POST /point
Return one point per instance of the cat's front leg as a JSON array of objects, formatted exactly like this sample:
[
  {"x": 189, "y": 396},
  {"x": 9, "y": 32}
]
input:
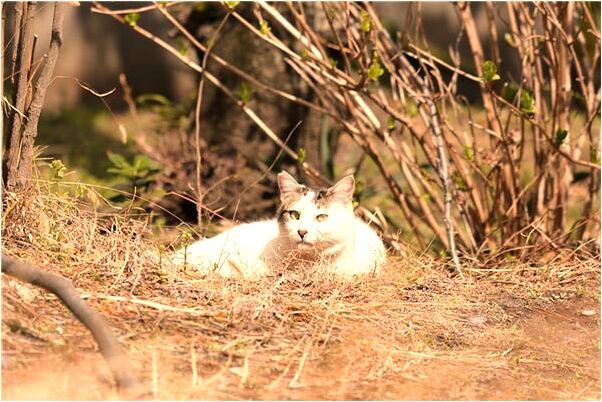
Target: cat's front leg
[
  {"x": 243, "y": 268},
  {"x": 350, "y": 265}
]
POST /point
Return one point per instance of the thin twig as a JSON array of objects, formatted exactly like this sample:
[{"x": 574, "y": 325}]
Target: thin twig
[
  {"x": 149, "y": 303},
  {"x": 197, "y": 122},
  {"x": 106, "y": 11}
]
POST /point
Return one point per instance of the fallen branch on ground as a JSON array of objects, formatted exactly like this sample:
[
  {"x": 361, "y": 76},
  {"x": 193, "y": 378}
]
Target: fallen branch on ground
[{"x": 118, "y": 362}]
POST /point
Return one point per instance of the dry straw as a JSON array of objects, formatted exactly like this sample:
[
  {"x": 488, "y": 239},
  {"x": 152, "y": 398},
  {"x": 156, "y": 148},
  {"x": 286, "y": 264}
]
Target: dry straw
[{"x": 284, "y": 335}]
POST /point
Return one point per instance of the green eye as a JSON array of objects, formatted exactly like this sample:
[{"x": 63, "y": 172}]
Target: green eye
[
  {"x": 294, "y": 215},
  {"x": 321, "y": 217}
]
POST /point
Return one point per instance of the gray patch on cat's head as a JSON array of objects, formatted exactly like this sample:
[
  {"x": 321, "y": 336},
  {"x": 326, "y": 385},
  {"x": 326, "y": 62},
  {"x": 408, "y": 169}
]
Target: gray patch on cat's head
[
  {"x": 291, "y": 191},
  {"x": 292, "y": 196},
  {"x": 289, "y": 198},
  {"x": 322, "y": 197},
  {"x": 281, "y": 214}
]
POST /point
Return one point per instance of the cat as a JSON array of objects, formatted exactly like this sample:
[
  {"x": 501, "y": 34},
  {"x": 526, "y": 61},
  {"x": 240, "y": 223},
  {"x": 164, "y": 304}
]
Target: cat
[{"x": 313, "y": 227}]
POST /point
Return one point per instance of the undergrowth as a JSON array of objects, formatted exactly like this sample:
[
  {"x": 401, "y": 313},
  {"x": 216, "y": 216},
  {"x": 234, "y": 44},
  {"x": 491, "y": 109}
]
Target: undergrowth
[{"x": 271, "y": 338}]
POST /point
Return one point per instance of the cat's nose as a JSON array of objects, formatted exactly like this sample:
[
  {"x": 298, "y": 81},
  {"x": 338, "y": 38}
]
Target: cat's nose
[{"x": 302, "y": 233}]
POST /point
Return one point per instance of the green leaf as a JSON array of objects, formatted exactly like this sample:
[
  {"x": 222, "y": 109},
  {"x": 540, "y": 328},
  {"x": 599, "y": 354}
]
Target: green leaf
[
  {"x": 509, "y": 92},
  {"x": 360, "y": 189},
  {"x": 141, "y": 171},
  {"x": 411, "y": 108},
  {"x": 489, "y": 72},
  {"x": 560, "y": 137},
  {"x": 527, "y": 103},
  {"x": 264, "y": 27},
  {"x": 186, "y": 238},
  {"x": 366, "y": 24},
  {"x": 375, "y": 70},
  {"x": 390, "y": 122},
  {"x": 333, "y": 63},
  {"x": 331, "y": 12},
  {"x": 158, "y": 98},
  {"x": 80, "y": 191},
  {"x": 508, "y": 39},
  {"x": 114, "y": 170},
  {"x": 142, "y": 162},
  {"x": 245, "y": 92},
  {"x": 469, "y": 153},
  {"x": 117, "y": 160},
  {"x": 301, "y": 155},
  {"x": 595, "y": 156},
  {"x": 459, "y": 181},
  {"x": 132, "y": 19},
  {"x": 304, "y": 53},
  {"x": 182, "y": 46},
  {"x": 232, "y": 4},
  {"x": 126, "y": 172},
  {"x": 58, "y": 168}
]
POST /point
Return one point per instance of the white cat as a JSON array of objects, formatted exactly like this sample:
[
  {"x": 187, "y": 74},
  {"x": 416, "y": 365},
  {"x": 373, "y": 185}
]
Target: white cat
[{"x": 315, "y": 227}]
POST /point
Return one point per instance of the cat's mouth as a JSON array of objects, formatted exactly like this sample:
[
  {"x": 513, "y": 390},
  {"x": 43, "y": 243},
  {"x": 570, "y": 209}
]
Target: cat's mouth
[{"x": 304, "y": 244}]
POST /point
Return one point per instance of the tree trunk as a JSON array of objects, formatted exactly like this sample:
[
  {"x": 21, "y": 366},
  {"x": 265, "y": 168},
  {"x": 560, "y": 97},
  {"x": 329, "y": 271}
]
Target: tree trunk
[
  {"x": 22, "y": 49},
  {"x": 21, "y": 144}
]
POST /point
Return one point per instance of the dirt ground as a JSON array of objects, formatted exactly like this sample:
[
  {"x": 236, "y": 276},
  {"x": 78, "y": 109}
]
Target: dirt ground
[{"x": 416, "y": 335}]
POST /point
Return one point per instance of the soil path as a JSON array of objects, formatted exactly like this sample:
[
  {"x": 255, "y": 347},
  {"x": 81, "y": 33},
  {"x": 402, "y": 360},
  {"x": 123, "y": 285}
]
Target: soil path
[{"x": 555, "y": 354}]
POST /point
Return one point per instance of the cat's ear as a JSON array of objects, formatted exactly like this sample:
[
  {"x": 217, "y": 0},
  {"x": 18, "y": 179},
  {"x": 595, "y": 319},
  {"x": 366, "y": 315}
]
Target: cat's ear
[
  {"x": 287, "y": 184},
  {"x": 342, "y": 191}
]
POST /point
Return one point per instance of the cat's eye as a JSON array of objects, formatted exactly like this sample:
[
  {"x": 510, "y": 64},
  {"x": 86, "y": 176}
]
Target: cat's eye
[
  {"x": 294, "y": 215},
  {"x": 321, "y": 217}
]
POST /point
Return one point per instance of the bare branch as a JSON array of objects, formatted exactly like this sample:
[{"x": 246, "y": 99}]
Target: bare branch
[{"x": 110, "y": 349}]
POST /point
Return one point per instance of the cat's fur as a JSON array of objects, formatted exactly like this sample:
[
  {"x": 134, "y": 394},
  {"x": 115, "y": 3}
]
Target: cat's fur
[{"x": 339, "y": 243}]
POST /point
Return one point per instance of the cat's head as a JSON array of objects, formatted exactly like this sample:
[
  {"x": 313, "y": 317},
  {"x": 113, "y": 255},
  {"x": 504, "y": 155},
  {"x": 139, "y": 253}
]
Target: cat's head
[{"x": 313, "y": 218}]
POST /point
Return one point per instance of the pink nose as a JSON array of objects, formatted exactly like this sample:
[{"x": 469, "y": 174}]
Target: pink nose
[{"x": 302, "y": 233}]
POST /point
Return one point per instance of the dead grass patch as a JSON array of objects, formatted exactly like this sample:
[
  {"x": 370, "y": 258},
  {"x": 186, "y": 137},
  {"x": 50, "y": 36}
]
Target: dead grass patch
[{"x": 415, "y": 332}]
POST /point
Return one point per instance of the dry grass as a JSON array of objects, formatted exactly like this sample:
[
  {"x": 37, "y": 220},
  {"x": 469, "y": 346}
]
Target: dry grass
[{"x": 415, "y": 332}]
